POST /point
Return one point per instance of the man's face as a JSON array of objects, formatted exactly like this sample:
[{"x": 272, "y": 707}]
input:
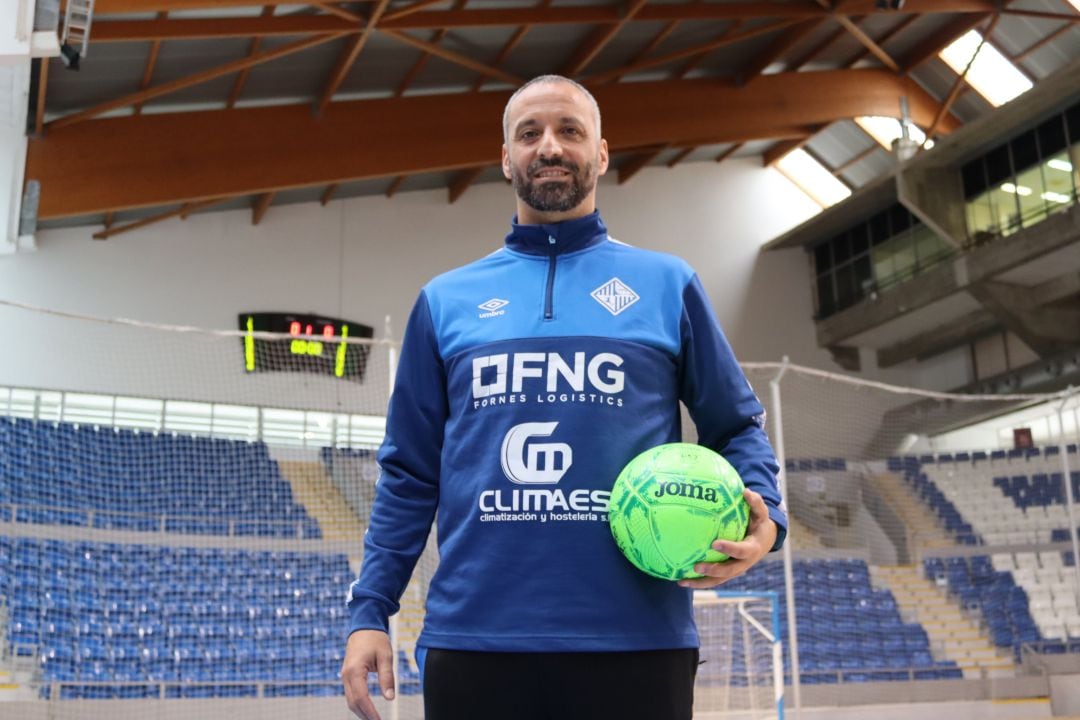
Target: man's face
[{"x": 553, "y": 153}]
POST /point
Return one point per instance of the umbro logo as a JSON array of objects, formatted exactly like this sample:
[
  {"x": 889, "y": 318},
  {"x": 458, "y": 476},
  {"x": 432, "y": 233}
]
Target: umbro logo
[
  {"x": 615, "y": 296},
  {"x": 493, "y": 307}
]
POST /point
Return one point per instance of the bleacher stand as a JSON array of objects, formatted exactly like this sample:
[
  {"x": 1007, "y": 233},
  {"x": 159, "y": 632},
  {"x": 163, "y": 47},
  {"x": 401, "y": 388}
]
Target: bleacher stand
[
  {"x": 1005, "y": 498},
  {"x": 120, "y": 479},
  {"x": 849, "y": 631}
]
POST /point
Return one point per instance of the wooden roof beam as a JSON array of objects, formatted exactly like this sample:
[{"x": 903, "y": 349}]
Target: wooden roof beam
[
  {"x": 507, "y": 48},
  {"x": 456, "y": 58},
  {"x": 421, "y": 61},
  {"x": 238, "y": 151},
  {"x": 410, "y": 17},
  {"x": 261, "y": 205},
  {"x": 933, "y": 44},
  {"x": 681, "y": 155},
  {"x": 728, "y": 152},
  {"x": 182, "y": 212},
  {"x": 724, "y": 39},
  {"x": 461, "y": 182},
  {"x": 599, "y": 39},
  {"x": 874, "y": 147},
  {"x": 634, "y": 164},
  {"x": 151, "y": 63},
  {"x": 696, "y": 60},
  {"x": 107, "y": 30},
  {"x": 896, "y": 30},
  {"x": 189, "y": 81},
  {"x": 253, "y": 50},
  {"x": 961, "y": 80},
  {"x": 781, "y": 45},
  {"x": 347, "y": 58},
  {"x": 772, "y": 155},
  {"x": 868, "y": 42},
  {"x": 394, "y": 186}
]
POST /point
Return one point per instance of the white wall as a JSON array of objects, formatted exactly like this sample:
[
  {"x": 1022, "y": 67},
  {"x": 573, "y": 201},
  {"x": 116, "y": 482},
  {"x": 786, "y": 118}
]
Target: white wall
[{"x": 366, "y": 258}]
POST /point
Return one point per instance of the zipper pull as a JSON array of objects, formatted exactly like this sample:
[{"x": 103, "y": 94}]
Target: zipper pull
[{"x": 551, "y": 239}]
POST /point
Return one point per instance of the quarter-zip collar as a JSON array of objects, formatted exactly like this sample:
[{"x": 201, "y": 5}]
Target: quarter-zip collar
[{"x": 557, "y": 238}]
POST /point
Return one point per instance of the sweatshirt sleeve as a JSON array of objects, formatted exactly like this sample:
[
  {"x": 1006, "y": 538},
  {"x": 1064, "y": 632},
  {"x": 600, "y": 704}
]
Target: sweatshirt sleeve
[
  {"x": 407, "y": 492},
  {"x": 728, "y": 415}
]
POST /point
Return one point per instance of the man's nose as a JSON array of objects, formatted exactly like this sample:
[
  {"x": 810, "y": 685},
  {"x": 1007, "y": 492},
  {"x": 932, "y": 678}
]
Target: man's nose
[{"x": 549, "y": 145}]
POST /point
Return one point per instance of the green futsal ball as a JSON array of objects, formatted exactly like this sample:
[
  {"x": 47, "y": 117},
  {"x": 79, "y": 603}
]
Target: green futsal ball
[{"x": 670, "y": 503}]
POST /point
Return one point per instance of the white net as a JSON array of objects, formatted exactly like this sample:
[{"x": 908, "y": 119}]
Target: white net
[
  {"x": 740, "y": 675},
  {"x": 911, "y": 513},
  {"x": 173, "y": 526}
]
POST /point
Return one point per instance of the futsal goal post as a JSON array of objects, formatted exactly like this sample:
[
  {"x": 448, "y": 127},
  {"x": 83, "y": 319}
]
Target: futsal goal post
[{"x": 741, "y": 670}]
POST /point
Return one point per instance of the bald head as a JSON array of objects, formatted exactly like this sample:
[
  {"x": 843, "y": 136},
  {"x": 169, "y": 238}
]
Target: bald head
[{"x": 541, "y": 79}]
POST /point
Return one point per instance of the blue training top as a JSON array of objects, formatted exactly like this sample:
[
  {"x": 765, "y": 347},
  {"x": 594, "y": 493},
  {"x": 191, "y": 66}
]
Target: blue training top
[{"x": 527, "y": 380}]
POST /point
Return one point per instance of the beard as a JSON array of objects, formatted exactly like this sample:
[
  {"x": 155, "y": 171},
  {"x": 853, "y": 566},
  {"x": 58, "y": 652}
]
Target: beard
[{"x": 554, "y": 196}]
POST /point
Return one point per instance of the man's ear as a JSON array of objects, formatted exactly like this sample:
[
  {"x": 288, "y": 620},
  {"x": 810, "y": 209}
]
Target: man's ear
[
  {"x": 506, "y": 162},
  {"x": 602, "y": 165}
]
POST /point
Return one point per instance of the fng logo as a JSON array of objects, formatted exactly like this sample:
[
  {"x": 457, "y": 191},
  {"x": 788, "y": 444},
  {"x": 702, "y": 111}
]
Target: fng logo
[{"x": 534, "y": 463}]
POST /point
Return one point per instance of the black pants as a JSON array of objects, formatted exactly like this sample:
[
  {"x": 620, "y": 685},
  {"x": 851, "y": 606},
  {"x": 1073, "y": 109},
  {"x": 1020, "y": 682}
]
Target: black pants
[{"x": 652, "y": 685}]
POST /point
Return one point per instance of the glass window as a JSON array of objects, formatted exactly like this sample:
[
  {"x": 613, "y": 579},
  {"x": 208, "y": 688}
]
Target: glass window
[
  {"x": 1059, "y": 174},
  {"x": 1052, "y": 136},
  {"x": 929, "y": 248},
  {"x": 904, "y": 260},
  {"x": 823, "y": 257},
  {"x": 1025, "y": 152},
  {"x": 1072, "y": 122},
  {"x": 981, "y": 222},
  {"x": 1005, "y": 210},
  {"x": 841, "y": 248},
  {"x": 998, "y": 167},
  {"x": 899, "y": 219},
  {"x": 826, "y": 301},
  {"x": 884, "y": 267},
  {"x": 1031, "y": 195},
  {"x": 860, "y": 243},
  {"x": 1074, "y": 160},
  {"x": 974, "y": 178},
  {"x": 879, "y": 228},
  {"x": 864, "y": 276},
  {"x": 846, "y": 294}
]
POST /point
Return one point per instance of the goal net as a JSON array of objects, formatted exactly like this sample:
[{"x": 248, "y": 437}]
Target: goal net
[{"x": 741, "y": 670}]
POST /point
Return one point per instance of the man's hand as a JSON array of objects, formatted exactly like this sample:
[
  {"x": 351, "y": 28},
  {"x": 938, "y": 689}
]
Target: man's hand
[
  {"x": 760, "y": 537},
  {"x": 367, "y": 651}
]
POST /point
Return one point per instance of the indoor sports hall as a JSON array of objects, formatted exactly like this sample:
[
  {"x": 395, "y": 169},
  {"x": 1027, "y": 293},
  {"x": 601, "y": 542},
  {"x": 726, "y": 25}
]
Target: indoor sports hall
[{"x": 217, "y": 216}]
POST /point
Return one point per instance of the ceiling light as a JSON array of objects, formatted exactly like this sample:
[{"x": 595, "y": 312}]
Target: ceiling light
[
  {"x": 1056, "y": 197},
  {"x": 1021, "y": 190},
  {"x": 1062, "y": 165}
]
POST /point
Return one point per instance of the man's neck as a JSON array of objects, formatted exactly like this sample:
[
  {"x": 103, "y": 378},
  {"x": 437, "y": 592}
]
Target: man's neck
[{"x": 529, "y": 216}]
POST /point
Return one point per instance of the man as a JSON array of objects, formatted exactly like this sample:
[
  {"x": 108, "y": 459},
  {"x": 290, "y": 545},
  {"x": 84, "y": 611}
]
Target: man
[{"x": 527, "y": 380}]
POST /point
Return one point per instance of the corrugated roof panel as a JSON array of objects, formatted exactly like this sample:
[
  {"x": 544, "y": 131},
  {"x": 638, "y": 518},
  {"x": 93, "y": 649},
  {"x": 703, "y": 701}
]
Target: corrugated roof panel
[
  {"x": 545, "y": 49},
  {"x": 631, "y": 39},
  {"x": 480, "y": 44},
  {"x": 690, "y": 34},
  {"x": 111, "y": 70},
  {"x": 1053, "y": 56},
  {"x": 838, "y": 143},
  {"x": 869, "y": 168}
]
